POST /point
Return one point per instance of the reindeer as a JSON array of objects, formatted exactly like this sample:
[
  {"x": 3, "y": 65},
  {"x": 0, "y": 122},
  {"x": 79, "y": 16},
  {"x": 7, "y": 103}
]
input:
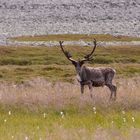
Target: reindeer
[{"x": 93, "y": 77}]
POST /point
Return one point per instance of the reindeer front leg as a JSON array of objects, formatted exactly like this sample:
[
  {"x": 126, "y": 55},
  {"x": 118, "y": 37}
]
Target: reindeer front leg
[
  {"x": 90, "y": 88},
  {"x": 82, "y": 88}
]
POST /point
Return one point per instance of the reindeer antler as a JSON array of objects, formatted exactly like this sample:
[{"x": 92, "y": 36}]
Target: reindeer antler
[
  {"x": 67, "y": 54},
  {"x": 88, "y": 56}
]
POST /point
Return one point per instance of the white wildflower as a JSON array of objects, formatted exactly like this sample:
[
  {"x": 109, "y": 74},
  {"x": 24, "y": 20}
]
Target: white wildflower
[
  {"x": 9, "y": 112},
  {"x": 124, "y": 120},
  {"x": 44, "y": 115},
  {"x": 62, "y": 114},
  {"x": 12, "y": 137},
  {"x": 5, "y": 120},
  {"x": 133, "y": 119},
  {"x": 94, "y": 108},
  {"x": 123, "y": 112}
]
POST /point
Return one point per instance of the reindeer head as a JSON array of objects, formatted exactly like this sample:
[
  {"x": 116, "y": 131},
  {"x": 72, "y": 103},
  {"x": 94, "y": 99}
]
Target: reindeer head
[{"x": 78, "y": 63}]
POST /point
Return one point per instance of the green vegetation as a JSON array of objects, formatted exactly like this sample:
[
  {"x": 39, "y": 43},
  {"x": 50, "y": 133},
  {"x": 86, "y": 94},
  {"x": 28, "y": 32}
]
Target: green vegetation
[
  {"x": 76, "y": 37},
  {"x": 40, "y": 109},
  {"x": 22, "y": 124},
  {"x": 19, "y": 63}
]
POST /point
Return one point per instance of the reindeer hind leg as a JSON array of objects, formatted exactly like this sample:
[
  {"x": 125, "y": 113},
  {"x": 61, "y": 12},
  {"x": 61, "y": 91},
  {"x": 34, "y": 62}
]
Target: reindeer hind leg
[
  {"x": 82, "y": 89},
  {"x": 115, "y": 92},
  {"x": 90, "y": 88},
  {"x": 108, "y": 81},
  {"x": 112, "y": 89}
]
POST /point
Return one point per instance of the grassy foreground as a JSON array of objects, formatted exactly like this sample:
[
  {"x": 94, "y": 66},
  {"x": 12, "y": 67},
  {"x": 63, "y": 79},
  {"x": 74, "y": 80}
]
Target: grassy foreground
[
  {"x": 42, "y": 110},
  {"x": 16, "y": 124},
  {"x": 40, "y": 99}
]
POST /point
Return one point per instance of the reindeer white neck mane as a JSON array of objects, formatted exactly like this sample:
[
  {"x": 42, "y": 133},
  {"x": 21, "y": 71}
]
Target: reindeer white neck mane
[{"x": 78, "y": 78}]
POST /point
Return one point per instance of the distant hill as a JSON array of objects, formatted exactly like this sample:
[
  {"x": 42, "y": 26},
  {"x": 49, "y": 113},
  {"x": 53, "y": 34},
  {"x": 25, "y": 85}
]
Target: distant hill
[{"x": 22, "y": 17}]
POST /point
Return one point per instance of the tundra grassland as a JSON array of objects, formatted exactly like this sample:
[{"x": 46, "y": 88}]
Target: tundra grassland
[
  {"x": 40, "y": 98},
  {"x": 76, "y": 37}
]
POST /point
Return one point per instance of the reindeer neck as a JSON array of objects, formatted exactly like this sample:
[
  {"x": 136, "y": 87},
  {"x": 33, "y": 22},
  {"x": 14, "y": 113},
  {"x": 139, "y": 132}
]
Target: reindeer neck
[{"x": 81, "y": 74}]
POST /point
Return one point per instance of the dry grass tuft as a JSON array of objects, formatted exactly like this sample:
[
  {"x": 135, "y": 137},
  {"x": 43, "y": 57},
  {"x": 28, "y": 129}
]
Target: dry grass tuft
[
  {"x": 39, "y": 92},
  {"x": 97, "y": 134}
]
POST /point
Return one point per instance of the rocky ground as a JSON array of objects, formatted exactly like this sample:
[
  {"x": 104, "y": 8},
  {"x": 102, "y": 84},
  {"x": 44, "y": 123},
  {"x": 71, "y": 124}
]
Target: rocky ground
[{"x": 31, "y": 17}]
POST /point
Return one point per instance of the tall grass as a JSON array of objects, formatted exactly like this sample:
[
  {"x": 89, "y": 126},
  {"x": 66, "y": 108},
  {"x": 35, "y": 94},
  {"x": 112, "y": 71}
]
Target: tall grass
[
  {"x": 61, "y": 95},
  {"x": 39, "y": 109}
]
